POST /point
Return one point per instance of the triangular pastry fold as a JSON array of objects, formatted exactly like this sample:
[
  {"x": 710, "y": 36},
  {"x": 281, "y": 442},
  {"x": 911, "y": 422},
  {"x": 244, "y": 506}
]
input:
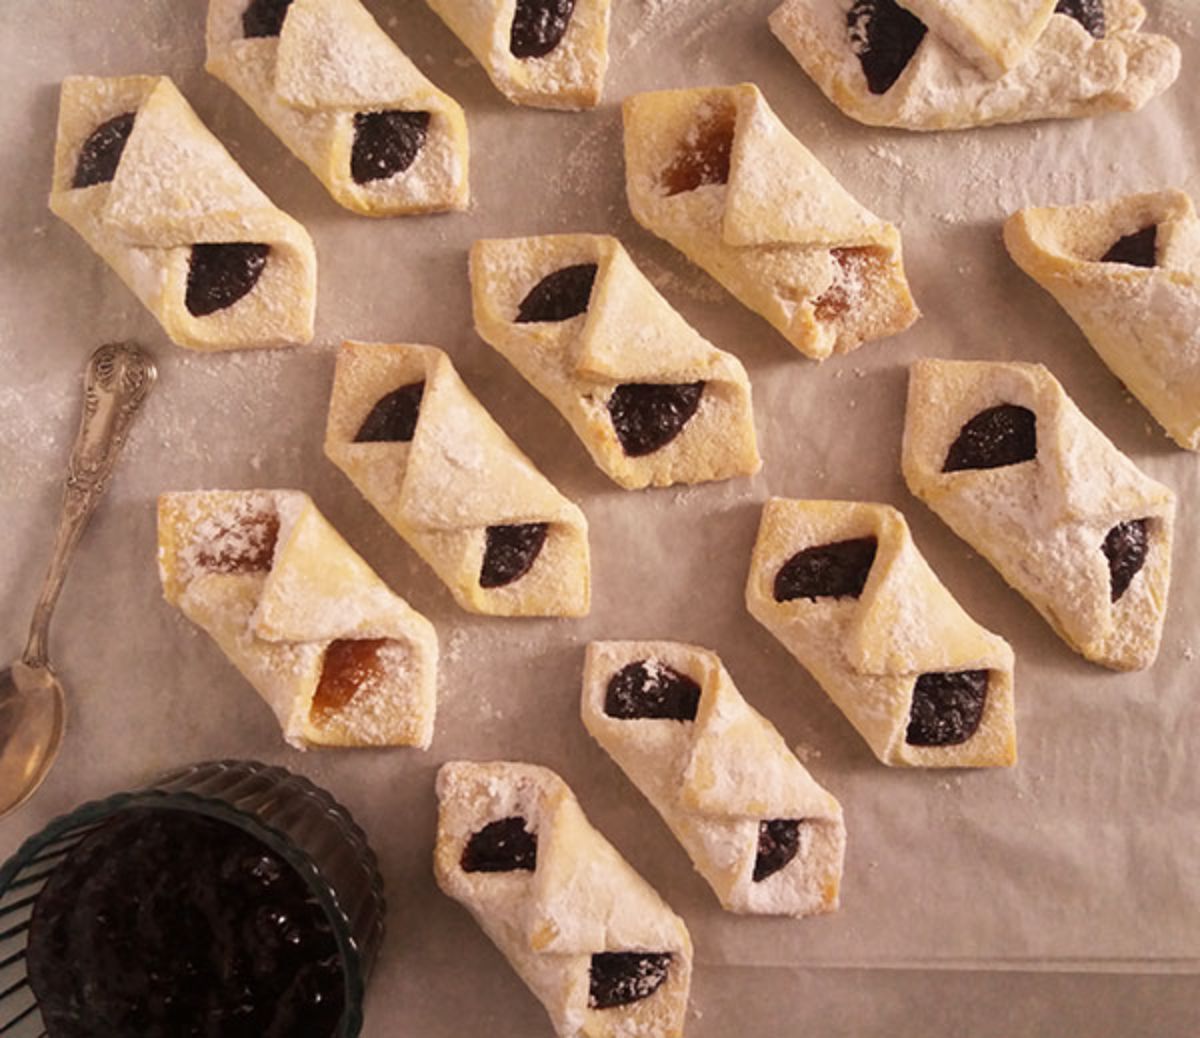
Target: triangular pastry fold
[
  {"x": 714, "y": 172},
  {"x": 589, "y": 936},
  {"x": 954, "y": 64},
  {"x": 1128, "y": 273},
  {"x": 545, "y": 53},
  {"x": 426, "y": 454},
  {"x": 652, "y": 400},
  {"x": 994, "y": 36},
  {"x": 1005, "y": 458},
  {"x": 767, "y": 838},
  {"x": 345, "y": 100},
  {"x": 842, "y": 585},
  {"x": 340, "y": 659},
  {"x": 157, "y": 196}
]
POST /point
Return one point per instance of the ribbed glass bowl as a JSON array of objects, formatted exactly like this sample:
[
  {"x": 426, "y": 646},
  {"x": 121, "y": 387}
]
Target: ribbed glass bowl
[{"x": 300, "y": 822}]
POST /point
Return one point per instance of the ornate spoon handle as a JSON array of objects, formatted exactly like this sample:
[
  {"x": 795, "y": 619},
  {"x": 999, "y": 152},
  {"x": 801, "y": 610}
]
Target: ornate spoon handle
[{"x": 117, "y": 380}]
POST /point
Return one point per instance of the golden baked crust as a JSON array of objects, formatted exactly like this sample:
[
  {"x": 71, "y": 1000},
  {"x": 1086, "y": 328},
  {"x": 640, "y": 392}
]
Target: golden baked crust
[
  {"x": 629, "y": 336},
  {"x": 984, "y": 63},
  {"x": 570, "y": 76},
  {"x": 1144, "y": 321},
  {"x": 176, "y": 187},
  {"x": 340, "y": 659},
  {"x": 330, "y": 64},
  {"x": 869, "y": 649},
  {"x": 1047, "y": 523},
  {"x": 580, "y": 898},
  {"x": 458, "y": 478},
  {"x": 714, "y": 172},
  {"x": 718, "y": 778}
]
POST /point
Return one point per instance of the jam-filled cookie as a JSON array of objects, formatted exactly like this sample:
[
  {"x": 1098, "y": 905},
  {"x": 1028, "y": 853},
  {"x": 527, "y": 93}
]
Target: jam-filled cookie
[
  {"x": 949, "y": 65},
  {"x": 844, "y": 588},
  {"x": 339, "y": 658},
  {"x": 714, "y": 172},
  {"x": 593, "y": 941},
  {"x": 426, "y": 454},
  {"x": 1002, "y": 455},
  {"x": 155, "y": 194},
  {"x": 345, "y": 100},
  {"x": 651, "y": 399},
  {"x": 1128, "y": 272},
  {"x": 545, "y": 53},
  {"x": 767, "y": 838}
]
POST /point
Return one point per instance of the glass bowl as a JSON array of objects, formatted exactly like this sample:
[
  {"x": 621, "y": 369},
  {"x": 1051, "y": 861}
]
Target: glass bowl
[{"x": 300, "y": 822}]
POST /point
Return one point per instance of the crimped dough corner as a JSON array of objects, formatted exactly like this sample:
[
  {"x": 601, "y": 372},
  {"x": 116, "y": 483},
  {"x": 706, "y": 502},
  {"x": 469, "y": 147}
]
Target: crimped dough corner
[
  {"x": 598, "y": 366},
  {"x": 714, "y": 171},
  {"x": 891, "y": 646},
  {"x": 339, "y": 658},
  {"x": 1143, "y": 317},
  {"x": 1047, "y": 520}
]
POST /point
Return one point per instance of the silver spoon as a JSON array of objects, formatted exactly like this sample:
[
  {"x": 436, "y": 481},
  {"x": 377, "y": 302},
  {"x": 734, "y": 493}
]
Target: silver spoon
[{"x": 33, "y": 708}]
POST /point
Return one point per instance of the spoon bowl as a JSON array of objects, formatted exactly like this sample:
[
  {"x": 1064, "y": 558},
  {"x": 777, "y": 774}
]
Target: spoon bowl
[
  {"x": 33, "y": 715},
  {"x": 33, "y": 705}
]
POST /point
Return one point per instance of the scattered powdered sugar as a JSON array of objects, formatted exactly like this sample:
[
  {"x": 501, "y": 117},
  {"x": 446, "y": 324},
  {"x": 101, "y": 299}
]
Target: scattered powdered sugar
[
  {"x": 1174, "y": 17},
  {"x": 806, "y": 753},
  {"x": 699, "y": 287},
  {"x": 240, "y": 538}
]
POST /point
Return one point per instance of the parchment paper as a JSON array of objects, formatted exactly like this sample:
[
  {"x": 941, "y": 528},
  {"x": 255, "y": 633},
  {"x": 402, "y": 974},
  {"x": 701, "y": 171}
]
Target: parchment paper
[{"x": 1085, "y": 857}]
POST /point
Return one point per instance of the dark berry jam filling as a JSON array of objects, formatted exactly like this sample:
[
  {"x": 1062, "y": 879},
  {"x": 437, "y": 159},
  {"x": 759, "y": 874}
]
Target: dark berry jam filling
[
  {"x": 171, "y": 924},
  {"x": 264, "y": 18},
  {"x": 837, "y": 570},
  {"x": 510, "y": 552},
  {"x": 393, "y": 419},
  {"x": 538, "y": 27},
  {"x": 1000, "y": 436},
  {"x": 649, "y": 689},
  {"x": 101, "y": 152},
  {"x": 947, "y": 708},
  {"x": 778, "y": 842},
  {"x": 559, "y": 296},
  {"x": 885, "y": 37},
  {"x": 621, "y": 978},
  {"x": 1088, "y": 13},
  {"x": 386, "y": 143},
  {"x": 1139, "y": 249},
  {"x": 648, "y": 416},
  {"x": 1126, "y": 547},
  {"x": 220, "y": 274},
  {"x": 505, "y": 845}
]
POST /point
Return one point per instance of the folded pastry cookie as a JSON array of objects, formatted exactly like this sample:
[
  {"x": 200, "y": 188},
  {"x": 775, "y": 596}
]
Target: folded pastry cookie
[
  {"x": 425, "y": 453},
  {"x": 1001, "y": 453},
  {"x": 1128, "y": 273},
  {"x": 714, "y": 172},
  {"x": 545, "y": 53},
  {"x": 589, "y": 936},
  {"x": 949, "y": 64},
  {"x": 340, "y": 659},
  {"x": 345, "y": 100},
  {"x": 651, "y": 399},
  {"x": 767, "y": 838},
  {"x": 156, "y": 195},
  {"x": 842, "y": 585}
]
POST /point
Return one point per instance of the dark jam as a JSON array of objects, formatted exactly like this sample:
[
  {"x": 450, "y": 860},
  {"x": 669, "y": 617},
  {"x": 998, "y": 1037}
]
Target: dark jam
[
  {"x": 559, "y": 296},
  {"x": 1088, "y": 13},
  {"x": 1139, "y": 249},
  {"x": 171, "y": 924},
  {"x": 995, "y": 438}
]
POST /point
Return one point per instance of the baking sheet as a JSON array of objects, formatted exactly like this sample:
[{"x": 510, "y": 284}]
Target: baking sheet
[{"x": 1086, "y": 856}]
